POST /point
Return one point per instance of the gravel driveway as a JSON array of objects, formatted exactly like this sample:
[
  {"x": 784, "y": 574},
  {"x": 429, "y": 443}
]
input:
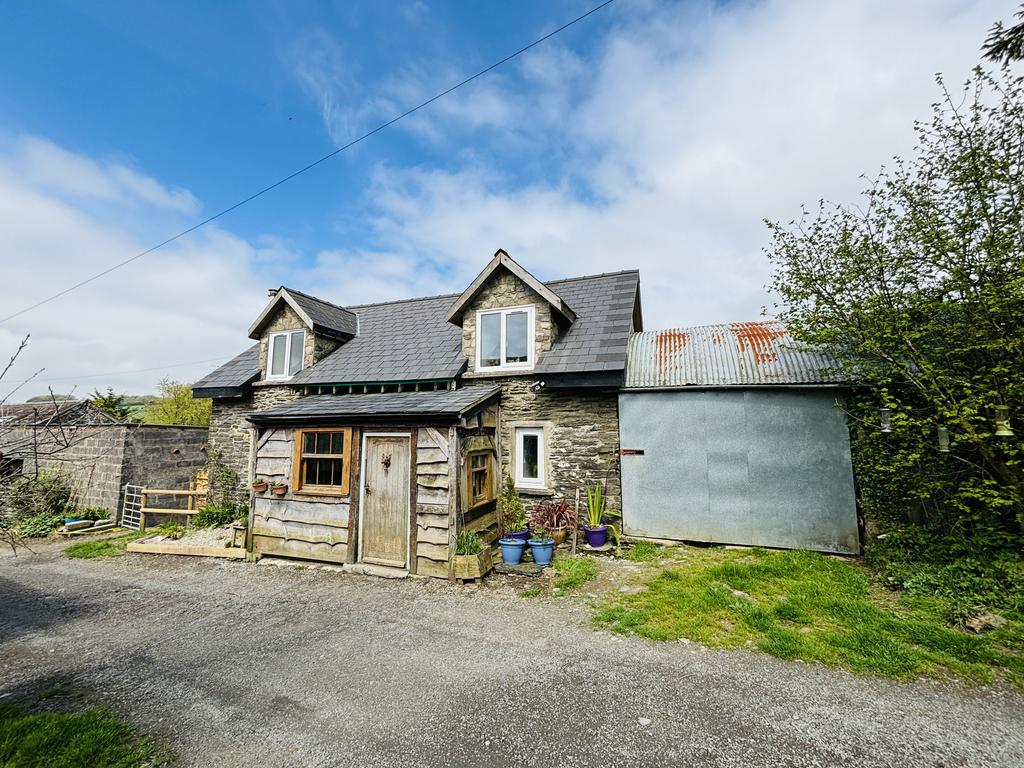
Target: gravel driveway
[{"x": 235, "y": 664}]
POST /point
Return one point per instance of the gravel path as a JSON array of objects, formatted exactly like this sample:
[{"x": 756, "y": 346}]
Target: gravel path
[{"x": 256, "y": 665}]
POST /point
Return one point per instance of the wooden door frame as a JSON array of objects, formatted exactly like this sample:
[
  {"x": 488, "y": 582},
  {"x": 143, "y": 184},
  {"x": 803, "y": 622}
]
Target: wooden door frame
[{"x": 362, "y": 489}]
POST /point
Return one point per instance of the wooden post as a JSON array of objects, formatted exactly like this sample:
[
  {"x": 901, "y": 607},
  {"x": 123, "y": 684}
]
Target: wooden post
[
  {"x": 576, "y": 520},
  {"x": 142, "y": 515}
]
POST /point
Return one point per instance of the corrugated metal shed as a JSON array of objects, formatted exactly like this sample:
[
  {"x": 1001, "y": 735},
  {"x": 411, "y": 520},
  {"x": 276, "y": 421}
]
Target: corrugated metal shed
[{"x": 733, "y": 354}]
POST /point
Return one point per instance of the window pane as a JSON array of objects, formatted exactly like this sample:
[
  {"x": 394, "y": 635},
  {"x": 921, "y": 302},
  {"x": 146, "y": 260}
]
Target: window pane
[
  {"x": 277, "y": 355},
  {"x": 490, "y": 340},
  {"x": 530, "y": 457},
  {"x": 337, "y": 442},
  {"x": 322, "y": 472},
  {"x": 516, "y": 337},
  {"x": 309, "y": 442},
  {"x": 295, "y": 353}
]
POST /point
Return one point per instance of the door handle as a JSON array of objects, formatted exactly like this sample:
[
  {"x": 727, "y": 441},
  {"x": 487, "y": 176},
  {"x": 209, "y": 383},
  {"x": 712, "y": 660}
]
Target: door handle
[{"x": 367, "y": 489}]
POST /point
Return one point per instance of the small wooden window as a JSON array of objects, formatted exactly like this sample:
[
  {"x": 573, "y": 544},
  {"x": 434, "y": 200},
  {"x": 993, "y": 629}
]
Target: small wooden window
[
  {"x": 322, "y": 461},
  {"x": 479, "y": 468}
]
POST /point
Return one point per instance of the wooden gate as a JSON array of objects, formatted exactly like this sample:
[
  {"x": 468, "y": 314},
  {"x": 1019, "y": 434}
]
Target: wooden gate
[{"x": 384, "y": 507}]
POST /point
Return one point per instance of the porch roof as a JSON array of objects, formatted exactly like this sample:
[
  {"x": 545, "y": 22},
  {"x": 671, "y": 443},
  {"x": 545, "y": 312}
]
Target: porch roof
[{"x": 439, "y": 406}]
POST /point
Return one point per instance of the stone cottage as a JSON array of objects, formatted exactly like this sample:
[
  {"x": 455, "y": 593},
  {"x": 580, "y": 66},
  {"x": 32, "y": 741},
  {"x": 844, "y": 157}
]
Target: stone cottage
[{"x": 389, "y": 427}]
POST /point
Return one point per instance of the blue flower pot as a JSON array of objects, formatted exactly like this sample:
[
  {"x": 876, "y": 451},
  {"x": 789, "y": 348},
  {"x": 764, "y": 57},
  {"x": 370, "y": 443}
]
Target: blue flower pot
[
  {"x": 512, "y": 550},
  {"x": 543, "y": 550}
]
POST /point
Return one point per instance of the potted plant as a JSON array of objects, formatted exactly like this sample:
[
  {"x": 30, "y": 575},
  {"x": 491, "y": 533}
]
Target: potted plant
[
  {"x": 511, "y": 550},
  {"x": 279, "y": 489},
  {"x": 472, "y": 558},
  {"x": 541, "y": 545},
  {"x": 260, "y": 485},
  {"x": 556, "y": 517},
  {"x": 512, "y": 512},
  {"x": 594, "y": 527}
]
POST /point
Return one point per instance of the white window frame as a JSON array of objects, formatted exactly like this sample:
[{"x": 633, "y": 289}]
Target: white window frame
[
  {"x": 530, "y": 482},
  {"x": 503, "y": 365},
  {"x": 287, "y": 353}
]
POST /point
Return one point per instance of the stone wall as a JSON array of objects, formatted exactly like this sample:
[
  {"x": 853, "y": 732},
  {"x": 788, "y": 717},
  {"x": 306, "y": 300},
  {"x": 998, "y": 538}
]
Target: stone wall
[
  {"x": 583, "y": 438},
  {"x": 231, "y": 432},
  {"x": 164, "y": 456},
  {"x": 315, "y": 347},
  {"x": 93, "y": 460},
  {"x": 100, "y": 460},
  {"x": 506, "y": 290}
]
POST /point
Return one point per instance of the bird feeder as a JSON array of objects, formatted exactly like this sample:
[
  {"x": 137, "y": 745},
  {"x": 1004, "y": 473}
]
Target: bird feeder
[
  {"x": 885, "y": 419},
  {"x": 943, "y": 435},
  {"x": 1002, "y": 420}
]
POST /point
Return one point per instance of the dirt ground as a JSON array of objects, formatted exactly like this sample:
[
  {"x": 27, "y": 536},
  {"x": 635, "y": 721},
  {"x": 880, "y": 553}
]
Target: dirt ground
[{"x": 236, "y": 664}]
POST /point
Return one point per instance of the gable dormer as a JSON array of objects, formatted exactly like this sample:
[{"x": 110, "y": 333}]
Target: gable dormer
[
  {"x": 508, "y": 318},
  {"x": 295, "y": 330}
]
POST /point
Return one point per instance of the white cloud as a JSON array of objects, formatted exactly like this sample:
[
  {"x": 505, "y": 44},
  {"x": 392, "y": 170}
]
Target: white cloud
[
  {"x": 44, "y": 165},
  {"x": 690, "y": 125},
  {"x": 191, "y": 301}
]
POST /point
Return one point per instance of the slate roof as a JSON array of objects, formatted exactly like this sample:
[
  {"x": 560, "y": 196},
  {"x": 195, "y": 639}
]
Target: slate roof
[
  {"x": 46, "y": 413},
  {"x": 444, "y": 405},
  {"x": 410, "y": 340},
  {"x": 604, "y": 318},
  {"x": 325, "y": 315},
  {"x": 231, "y": 378},
  {"x": 397, "y": 341},
  {"x": 733, "y": 354}
]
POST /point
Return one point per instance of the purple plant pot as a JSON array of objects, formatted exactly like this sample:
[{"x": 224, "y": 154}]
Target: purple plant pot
[
  {"x": 596, "y": 537},
  {"x": 522, "y": 535}
]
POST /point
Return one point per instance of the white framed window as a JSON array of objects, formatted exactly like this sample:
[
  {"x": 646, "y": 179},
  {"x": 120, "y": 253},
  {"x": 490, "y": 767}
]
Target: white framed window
[
  {"x": 504, "y": 338},
  {"x": 530, "y": 457},
  {"x": 284, "y": 356}
]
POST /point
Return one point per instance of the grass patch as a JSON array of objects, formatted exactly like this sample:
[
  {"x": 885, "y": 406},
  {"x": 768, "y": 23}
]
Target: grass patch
[
  {"x": 109, "y": 547},
  {"x": 37, "y": 735},
  {"x": 642, "y": 552},
  {"x": 531, "y": 592},
  {"x": 803, "y": 605},
  {"x": 574, "y": 571}
]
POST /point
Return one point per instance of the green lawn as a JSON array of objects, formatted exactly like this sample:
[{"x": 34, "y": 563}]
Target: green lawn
[
  {"x": 803, "y": 605},
  {"x": 33, "y": 737},
  {"x": 108, "y": 547}
]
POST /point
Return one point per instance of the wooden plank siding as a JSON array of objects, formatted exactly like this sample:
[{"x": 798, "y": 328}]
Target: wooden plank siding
[
  {"x": 433, "y": 528},
  {"x": 297, "y": 525}
]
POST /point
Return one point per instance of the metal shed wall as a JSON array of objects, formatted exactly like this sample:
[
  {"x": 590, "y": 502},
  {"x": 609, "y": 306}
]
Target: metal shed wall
[{"x": 738, "y": 466}]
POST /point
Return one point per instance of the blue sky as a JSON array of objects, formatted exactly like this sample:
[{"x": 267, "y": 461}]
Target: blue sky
[{"x": 655, "y": 135}]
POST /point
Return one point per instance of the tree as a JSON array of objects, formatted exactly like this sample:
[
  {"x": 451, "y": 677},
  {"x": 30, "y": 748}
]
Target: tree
[
  {"x": 1005, "y": 44},
  {"x": 919, "y": 294},
  {"x": 111, "y": 404},
  {"x": 177, "y": 406}
]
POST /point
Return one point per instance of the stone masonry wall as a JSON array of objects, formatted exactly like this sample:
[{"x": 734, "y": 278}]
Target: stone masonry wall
[
  {"x": 583, "y": 439},
  {"x": 506, "y": 290},
  {"x": 164, "y": 456},
  {"x": 231, "y": 433},
  {"x": 93, "y": 461}
]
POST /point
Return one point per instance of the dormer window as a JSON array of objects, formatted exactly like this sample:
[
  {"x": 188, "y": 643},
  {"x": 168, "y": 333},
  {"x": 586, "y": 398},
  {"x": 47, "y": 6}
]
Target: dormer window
[
  {"x": 285, "y": 356},
  {"x": 504, "y": 339}
]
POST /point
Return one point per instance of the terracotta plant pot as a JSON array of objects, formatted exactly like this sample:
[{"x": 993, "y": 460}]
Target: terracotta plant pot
[
  {"x": 279, "y": 490},
  {"x": 559, "y": 534},
  {"x": 260, "y": 487}
]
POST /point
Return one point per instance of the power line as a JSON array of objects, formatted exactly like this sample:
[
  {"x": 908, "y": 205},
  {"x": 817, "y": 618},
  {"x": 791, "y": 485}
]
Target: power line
[{"x": 312, "y": 165}]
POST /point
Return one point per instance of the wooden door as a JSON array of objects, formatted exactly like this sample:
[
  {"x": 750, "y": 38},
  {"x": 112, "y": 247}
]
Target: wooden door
[{"x": 385, "y": 503}]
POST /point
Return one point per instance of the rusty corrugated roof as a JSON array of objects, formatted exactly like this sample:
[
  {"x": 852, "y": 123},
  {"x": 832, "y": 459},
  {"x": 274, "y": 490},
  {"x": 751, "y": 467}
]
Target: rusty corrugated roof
[{"x": 733, "y": 354}]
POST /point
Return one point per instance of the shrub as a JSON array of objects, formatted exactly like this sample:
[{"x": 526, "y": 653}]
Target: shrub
[
  {"x": 36, "y": 504},
  {"x": 468, "y": 543},
  {"x": 552, "y": 515},
  {"x": 213, "y": 515},
  {"x": 968, "y": 573},
  {"x": 511, "y": 511},
  {"x": 92, "y": 513}
]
